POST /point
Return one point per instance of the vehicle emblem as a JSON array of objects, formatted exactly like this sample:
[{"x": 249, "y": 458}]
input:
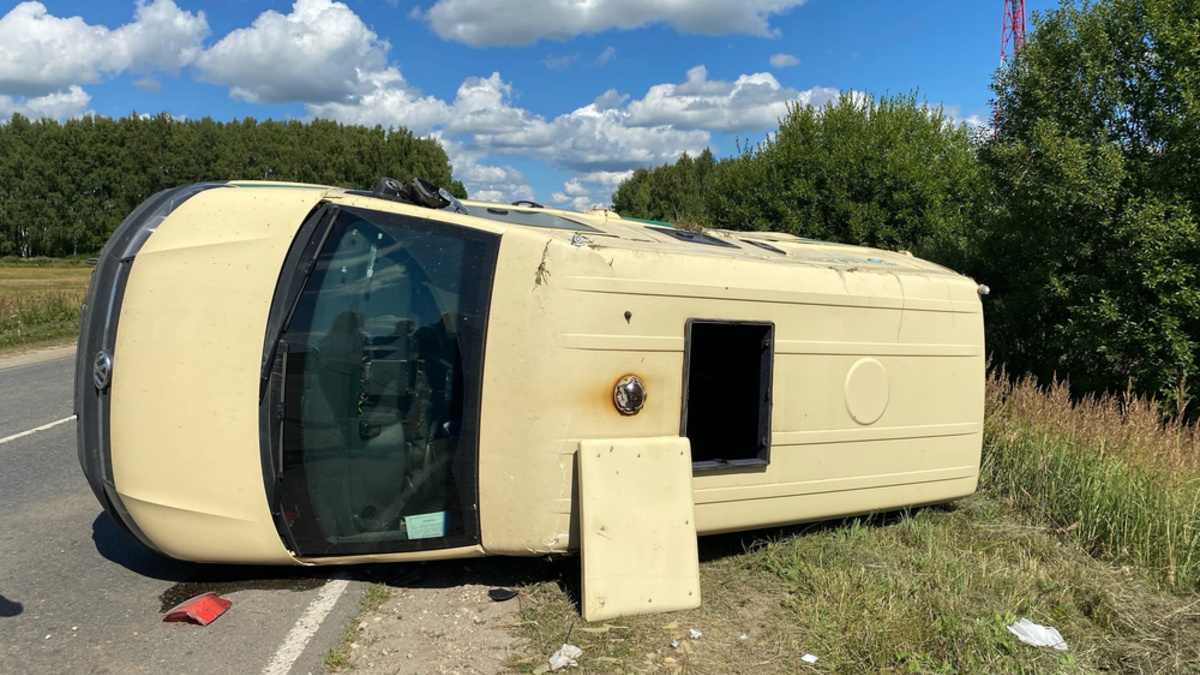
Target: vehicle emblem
[{"x": 101, "y": 370}]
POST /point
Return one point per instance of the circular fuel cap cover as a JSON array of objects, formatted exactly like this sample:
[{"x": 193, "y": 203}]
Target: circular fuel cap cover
[{"x": 629, "y": 395}]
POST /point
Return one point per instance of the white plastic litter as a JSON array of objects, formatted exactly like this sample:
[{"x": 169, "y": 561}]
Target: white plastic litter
[
  {"x": 743, "y": 637},
  {"x": 696, "y": 635},
  {"x": 675, "y": 644},
  {"x": 808, "y": 658},
  {"x": 1038, "y": 635},
  {"x": 565, "y": 657}
]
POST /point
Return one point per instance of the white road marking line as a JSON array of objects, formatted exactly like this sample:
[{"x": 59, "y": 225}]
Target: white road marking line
[
  {"x": 31, "y": 432},
  {"x": 306, "y": 626}
]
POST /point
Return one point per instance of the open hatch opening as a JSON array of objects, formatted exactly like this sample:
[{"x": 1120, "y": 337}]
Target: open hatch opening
[{"x": 727, "y": 393}]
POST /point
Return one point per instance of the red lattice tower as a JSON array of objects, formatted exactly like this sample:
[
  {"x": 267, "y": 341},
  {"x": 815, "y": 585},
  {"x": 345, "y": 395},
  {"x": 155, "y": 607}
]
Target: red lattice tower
[
  {"x": 1012, "y": 32},
  {"x": 1012, "y": 38}
]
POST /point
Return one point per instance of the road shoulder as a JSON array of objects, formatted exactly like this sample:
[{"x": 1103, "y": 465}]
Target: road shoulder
[
  {"x": 423, "y": 630},
  {"x": 38, "y": 355}
]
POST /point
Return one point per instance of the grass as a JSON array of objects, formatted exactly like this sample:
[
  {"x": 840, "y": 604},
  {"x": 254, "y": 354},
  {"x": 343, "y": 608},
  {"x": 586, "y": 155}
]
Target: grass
[
  {"x": 40, "y": 301},
  {"x": 930, "y": 591},
  {"x": 339, "y": 658},
  {"x": 1122, "y": 480},
  {"x": 1088, "y": 520}
]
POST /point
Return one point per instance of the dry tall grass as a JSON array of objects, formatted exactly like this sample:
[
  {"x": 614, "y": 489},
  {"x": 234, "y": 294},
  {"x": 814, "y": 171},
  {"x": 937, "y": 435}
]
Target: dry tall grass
[
  {"x": 40, "y": 303},
  {"x": 1127, "y": 426},
  {"x": 1111, "y": 472}
]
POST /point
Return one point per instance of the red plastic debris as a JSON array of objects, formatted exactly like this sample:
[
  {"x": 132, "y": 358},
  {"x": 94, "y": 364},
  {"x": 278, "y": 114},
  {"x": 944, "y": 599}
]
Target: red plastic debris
[{"x": 202, "y": 609}]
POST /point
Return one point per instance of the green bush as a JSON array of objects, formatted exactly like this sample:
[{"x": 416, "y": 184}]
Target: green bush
[
  {"x": 64, "y": 187},
  {"x": 889, "y": 172},
  {"x": 1092, "y": 248}
]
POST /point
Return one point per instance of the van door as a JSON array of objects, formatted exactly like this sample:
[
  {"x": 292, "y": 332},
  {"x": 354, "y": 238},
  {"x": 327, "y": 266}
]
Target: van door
[{"x": 377, "y": 387}]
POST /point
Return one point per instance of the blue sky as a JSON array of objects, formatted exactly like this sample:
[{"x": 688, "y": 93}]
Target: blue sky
[{"x": 553, "y": 100}]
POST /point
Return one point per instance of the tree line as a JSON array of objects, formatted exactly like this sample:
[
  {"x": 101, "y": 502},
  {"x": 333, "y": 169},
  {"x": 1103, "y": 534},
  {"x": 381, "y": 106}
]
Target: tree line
[
  {"x": 1080, "y": 211},
  {"x": 64, "y": 187}
]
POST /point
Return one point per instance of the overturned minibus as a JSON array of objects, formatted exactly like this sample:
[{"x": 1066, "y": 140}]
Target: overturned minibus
[{"x": 279, "y": 373}]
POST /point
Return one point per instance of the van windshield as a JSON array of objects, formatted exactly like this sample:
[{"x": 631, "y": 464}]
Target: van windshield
[{"x": 383, "y": 358}]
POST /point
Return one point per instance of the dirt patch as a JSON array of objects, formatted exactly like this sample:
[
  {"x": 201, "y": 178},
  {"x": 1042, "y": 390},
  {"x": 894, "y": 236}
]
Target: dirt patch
[
  {"x": 436, "y": 630},
  {"x": 23, "y": 355},
  {"x": 437, "y": 617}
]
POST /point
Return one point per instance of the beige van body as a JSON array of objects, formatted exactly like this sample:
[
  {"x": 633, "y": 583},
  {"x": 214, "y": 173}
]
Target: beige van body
[{"x": 875, "y": 388}]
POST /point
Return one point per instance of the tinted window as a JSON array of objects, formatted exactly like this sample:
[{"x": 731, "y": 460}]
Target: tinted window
[{"x": 383, "y": 358}]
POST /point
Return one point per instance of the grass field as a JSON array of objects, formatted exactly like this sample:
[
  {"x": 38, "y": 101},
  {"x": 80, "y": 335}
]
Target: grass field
[
  {"x": 40, "y": 302},
  {"x": 1123, "y": 481},
  {"x": 1088, "y": 520},
  {"x": 930, "y": 591}
]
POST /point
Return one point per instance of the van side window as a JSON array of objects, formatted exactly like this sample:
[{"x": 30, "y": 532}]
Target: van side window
[{"x": 727, "y": 393}]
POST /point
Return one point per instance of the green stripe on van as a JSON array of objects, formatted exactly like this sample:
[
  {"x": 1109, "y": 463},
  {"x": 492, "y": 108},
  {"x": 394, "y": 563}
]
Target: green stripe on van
[{"x": 648, "y": 222}]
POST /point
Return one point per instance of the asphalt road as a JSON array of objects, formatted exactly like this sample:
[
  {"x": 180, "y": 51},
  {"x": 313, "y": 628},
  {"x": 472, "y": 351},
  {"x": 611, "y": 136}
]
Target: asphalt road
[{"x": 77, "y": 596}]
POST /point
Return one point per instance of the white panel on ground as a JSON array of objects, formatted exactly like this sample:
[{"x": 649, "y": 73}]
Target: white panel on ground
[{"x": 638, "y": 527}]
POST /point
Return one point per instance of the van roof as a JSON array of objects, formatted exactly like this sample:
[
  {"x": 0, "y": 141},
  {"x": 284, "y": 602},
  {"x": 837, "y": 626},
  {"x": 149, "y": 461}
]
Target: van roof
[
  {"x": 606, "y": 225},
  {"x": 602, "y": 227}
]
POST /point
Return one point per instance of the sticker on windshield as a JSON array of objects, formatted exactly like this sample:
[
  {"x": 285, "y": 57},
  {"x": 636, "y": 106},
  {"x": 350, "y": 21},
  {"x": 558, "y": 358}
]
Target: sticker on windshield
[{"x": 426, "y": 525}]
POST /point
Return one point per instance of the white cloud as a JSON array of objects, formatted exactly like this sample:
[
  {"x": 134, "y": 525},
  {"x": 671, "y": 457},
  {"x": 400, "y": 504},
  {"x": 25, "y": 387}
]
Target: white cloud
[
  {"x": 486, "y": 23},
  {"x": 321, "y": 52},
  {"x": 588, "y": 190},
  {"x": 976, "y": 119},
  {"x": 750, "y": 103},
  {"x": 565, "y": 200},
  {"x": 784, "y": 61},
  {"x": 481, "y": 106},
  {"x": 610, "y": 99},
  {"x": 590, "y": 138},
  {"x": 41, "y": 54},
  {"x": 559, "y": 62},
  {"x": 391, "y": 103},
  {"x": 607, "y": 55},
  {"x": 483, "y": 181},
  {"x": 71, "y": 102},
  {"x": 605, "y": 179},
  {"x": 149, "y": 84},
  {"x": 574, "y": 188},
  {"x": 484, "y": 106},
  {"x": 582, "y": 203}
]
